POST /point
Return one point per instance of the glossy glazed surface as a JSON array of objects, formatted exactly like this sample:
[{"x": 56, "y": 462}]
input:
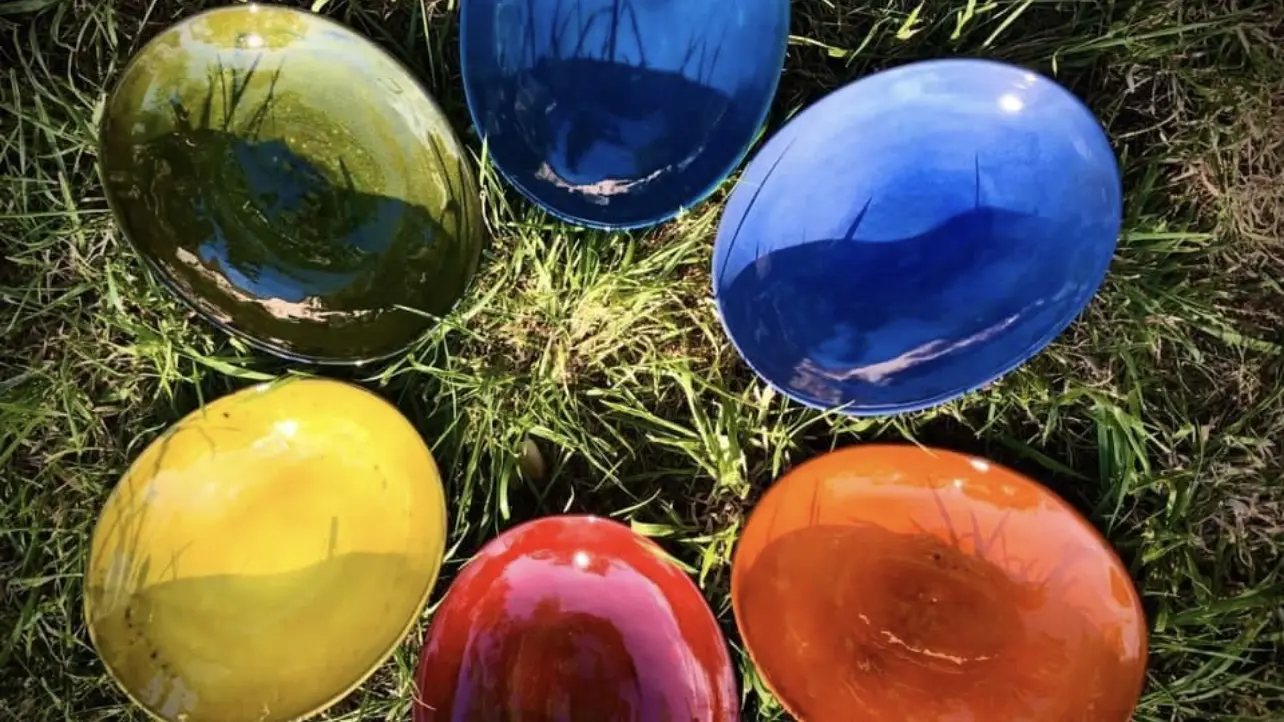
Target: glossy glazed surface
[
  {"x": 260, "y": 559},
  {"x": 619, "y": 113},
  {"x": 915, "y": 235},
  {"x": 574, "y": 619},
  {"x": 897, "y": 583},
  {"x": 292, "y": 182}
]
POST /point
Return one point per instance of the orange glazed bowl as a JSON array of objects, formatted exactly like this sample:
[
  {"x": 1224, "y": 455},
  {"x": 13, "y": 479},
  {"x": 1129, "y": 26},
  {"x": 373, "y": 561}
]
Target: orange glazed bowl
[{"x": 901, "y": 583}]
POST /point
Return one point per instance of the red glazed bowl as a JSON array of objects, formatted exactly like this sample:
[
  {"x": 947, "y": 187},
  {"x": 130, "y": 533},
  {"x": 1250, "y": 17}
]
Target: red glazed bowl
[{"x": 574, "y": 619}]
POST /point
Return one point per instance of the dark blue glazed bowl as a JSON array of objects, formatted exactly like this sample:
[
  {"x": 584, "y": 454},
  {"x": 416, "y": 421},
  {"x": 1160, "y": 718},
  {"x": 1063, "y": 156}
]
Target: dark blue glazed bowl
[
  {"x": 916, "y": 235},
  {"x": 620, "y": 113}
]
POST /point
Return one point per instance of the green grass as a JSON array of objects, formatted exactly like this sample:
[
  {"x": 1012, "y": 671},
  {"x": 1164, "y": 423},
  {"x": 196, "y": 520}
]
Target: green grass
[{"x": 1160, "y": 413}]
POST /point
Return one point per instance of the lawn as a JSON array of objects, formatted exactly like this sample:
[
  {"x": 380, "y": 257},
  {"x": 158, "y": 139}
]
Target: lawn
[{"x": 1159, "y": 414}]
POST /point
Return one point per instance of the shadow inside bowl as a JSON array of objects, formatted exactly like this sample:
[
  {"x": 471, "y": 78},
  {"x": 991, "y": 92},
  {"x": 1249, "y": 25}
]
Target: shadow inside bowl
[
  {"x": 907, "y": 626},
  {"x": 259, "y": 239},
  {"x": 894, "y": 322},
  {"x": 613, "y": 113},
  {"x": 292, "y": 184},
  {"x": 240, "y": 647}
]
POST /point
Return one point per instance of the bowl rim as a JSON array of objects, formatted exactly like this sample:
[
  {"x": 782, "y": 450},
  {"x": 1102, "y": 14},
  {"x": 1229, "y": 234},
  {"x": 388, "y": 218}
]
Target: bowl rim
[
  {"x": 381, "y": 659},
  {"x": 1108, "y": 554},
  {"x": 467, "y": 16},
  {"x": 1054, "y": 330},
  {"x": 227, "y": 326}
]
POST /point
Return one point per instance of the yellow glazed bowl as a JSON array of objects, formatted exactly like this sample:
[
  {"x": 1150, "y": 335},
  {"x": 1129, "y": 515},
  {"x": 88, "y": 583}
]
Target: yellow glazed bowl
[{"x": 266, "y": 555}]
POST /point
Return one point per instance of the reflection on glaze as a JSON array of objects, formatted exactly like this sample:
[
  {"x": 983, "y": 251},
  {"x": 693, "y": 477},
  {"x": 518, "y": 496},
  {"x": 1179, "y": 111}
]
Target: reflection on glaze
[
  {"x": 292, "y": 182},
  {"x": 574, "y": 619},
  {"x": 618, "y": 113},
  {"x": 916, "y": 235},
  {"x": 265, "y": 554},
  {"x": 889, "y": 582}
]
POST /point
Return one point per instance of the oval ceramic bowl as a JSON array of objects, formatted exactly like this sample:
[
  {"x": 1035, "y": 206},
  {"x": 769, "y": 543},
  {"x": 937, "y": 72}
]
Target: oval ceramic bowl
[
  {"x": 897, "y": 582},
  {"x": 292, "y": 182},
  {"x": 265, "y": 555},
  {"x": 916, "y": 235},
  {"x": 576, "y": 619},
  {"x": 620, "y": 113}
]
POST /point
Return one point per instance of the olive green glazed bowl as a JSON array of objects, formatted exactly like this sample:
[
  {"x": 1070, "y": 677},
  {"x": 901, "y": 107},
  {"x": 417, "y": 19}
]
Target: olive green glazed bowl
[{"x": 292, "y": 182}]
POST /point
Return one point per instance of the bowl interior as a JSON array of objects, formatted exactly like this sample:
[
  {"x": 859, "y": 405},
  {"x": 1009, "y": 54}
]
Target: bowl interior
[
  {"x": 574, "y": 618},
  {"x": 263, "y": 557},
  {"x": 921, "y": 584},
  {"x": 618, "y": 113},
  {"x": 917, "y": 234},
  {"x": 291, "y": 181}
]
